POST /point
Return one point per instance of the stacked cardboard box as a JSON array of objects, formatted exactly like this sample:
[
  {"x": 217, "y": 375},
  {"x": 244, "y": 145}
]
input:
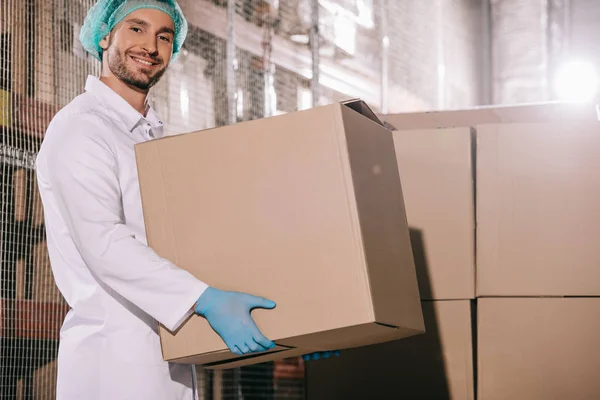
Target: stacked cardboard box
[
  {"x": 305, "y": 209},
  {"x": 510, "y": 328},
  {"x": 536, "y": 179},
  {"x": 538, "y": 348},
  {"x": 536, "y": 206},
  {"x": 538, "y": 220},
  {"x": 436, "y": 171},
  {"x": 436, "y": 365}
]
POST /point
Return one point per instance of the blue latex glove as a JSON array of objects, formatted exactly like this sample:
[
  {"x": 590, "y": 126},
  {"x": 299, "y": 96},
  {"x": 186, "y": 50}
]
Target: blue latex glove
[
  {"x": 320, "y": 354},
  {"x": 228, "y": 313}
]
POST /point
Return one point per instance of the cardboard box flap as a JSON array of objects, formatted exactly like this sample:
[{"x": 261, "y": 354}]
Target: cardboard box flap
[
  {"x": 223, "y": 357},
  {"x": 509, "y": 114},
  {"x": 362, "y": 108},
  {"x": 385, "y": 240},
  {"x": 270, "y": 353},
  {"x": 262, "y": 358}
]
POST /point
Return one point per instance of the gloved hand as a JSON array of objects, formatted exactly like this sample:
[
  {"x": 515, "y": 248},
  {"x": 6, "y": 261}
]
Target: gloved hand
[
  {"x": 320, "y": 354},
  {"x": 228, "y": 313}
]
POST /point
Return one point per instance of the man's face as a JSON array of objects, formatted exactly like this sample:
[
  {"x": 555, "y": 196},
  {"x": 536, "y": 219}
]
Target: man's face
[{"x": 139, "y": 48}]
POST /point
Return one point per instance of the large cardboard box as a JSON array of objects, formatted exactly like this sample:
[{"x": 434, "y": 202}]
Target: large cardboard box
[
  {"x": 305, "y": 209},
  {"x": 538, "y": 218},
  {"x": 538, "y": 348},
  {"x": 436, "y": 365},
  {"x": 436, "y": 170},
  {"x": 522, "y": 113}
]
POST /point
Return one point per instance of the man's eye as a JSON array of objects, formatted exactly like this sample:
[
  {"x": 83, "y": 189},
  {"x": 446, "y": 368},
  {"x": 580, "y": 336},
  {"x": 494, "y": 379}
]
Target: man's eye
[
  {"x": 165, "y": 38},
  {"x": 135, "y": 29}
]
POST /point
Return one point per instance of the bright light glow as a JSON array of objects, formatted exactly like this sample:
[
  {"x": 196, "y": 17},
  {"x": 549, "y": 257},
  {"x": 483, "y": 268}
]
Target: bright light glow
[
  {"x": 304, "y": 98},
  {"x": 239, "y": 103},
  {"x": 365, "y": 12},
  {"x": 184, "y": 99},
  {"x": 300, "y": 38},
  {"x": 386, "y": 42},
  {"x": 577, "y": 81},
  {"x": 345, "y": 33}
]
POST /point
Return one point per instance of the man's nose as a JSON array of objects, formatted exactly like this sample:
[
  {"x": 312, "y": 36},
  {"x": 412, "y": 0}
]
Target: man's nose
[{"x": 151, "y": 45}]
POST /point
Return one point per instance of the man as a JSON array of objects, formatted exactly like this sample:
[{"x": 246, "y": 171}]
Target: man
[{"x": 117, "y": 287}]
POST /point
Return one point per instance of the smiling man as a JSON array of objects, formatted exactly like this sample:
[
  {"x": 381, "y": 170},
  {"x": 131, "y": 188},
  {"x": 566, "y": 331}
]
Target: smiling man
[{"x": 118, "y": 288}]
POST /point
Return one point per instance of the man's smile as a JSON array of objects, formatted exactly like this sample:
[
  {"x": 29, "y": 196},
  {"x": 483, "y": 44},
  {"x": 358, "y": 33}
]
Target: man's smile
[{"x": 144, "y": 62}]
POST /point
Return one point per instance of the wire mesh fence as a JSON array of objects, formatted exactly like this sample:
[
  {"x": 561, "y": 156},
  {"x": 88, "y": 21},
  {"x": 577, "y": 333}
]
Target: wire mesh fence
[{"x": 243, "y": 60}]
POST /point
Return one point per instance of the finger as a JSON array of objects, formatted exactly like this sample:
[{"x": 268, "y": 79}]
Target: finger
[
  {"x": 244, "y": 348},
  {"x": 259, "y": 302},
  {"x": 336, "y": 353},
  {"x": 306, "y": 357},
  {"x": 253, "y": 346},
  {"x": 316, "y": 356},
  {"x": 236, "y": 350},
  {"x": 233, "y": 348},
  {"x": 326, "y": 354},
  {"x": 262, "y": 340},
  {"x": 259, "y": 337}
]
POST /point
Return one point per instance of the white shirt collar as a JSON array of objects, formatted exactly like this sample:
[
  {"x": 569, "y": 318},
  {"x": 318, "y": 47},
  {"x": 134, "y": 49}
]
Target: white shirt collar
[{"x": 129, "y": 115}]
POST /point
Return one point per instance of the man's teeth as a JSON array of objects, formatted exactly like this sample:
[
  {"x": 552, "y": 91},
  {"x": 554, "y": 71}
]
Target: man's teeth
[{"x": 142, "y": 61}]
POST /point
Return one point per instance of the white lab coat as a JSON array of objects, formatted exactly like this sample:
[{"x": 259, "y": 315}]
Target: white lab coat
[{"x": 116, "y": 286}]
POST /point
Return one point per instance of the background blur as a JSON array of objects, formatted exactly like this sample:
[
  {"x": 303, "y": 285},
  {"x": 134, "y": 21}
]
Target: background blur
[{"x": 249, "y": 59}]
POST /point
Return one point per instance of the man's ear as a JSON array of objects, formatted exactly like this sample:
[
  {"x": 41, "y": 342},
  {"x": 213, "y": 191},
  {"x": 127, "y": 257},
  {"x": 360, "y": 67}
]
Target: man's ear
[{"x": 104, "y": 42}]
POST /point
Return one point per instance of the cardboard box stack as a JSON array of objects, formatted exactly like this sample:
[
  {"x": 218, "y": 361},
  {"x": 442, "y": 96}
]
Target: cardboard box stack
[
  {"x": 436, "y": 171},
  {"x": 306, "y": 209},
  {"x": 502, "y": 212},
  {"x": 436, "y": 365},
  {"x": 536, "y": 176},
  {"x": 537, "y": 257}
]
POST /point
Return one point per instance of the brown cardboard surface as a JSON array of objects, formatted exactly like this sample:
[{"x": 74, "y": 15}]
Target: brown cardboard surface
[
  {"x": 538, "y": 220},
  {"x": 216, "y": 358},
  {"x": 19, "y": 183},
  {"x": 538, "y": 348},
  {"x": 382, "y": 217},
  {"x": 37, "y": 217},
  {"x": 436, "y": 365},
  {"x": 291, "y": 208},
  {"x": 18, "y": 27},
  {"x": 44, "y": 287},
  {"x": 257, "y": 359},
  {"x": 45, "y": 81},
  {"x": 6, "y": 108},
  {"x": 522, "y": 113},
  {"x": 436, "y": 171},
  {"x": 20, "y": 279}
]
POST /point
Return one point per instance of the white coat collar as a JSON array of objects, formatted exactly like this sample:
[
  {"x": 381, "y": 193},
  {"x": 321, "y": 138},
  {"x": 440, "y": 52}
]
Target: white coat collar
[{"x": 129, "y": 115}]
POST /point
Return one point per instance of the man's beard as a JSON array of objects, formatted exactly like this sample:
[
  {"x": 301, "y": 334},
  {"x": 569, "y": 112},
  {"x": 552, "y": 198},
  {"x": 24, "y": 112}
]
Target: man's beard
[{"x": 117, "y": 62}]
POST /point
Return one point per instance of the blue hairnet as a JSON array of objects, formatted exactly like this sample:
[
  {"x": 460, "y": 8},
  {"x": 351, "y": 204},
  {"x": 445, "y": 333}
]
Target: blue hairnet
[{"x": 105, "y": 14}]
